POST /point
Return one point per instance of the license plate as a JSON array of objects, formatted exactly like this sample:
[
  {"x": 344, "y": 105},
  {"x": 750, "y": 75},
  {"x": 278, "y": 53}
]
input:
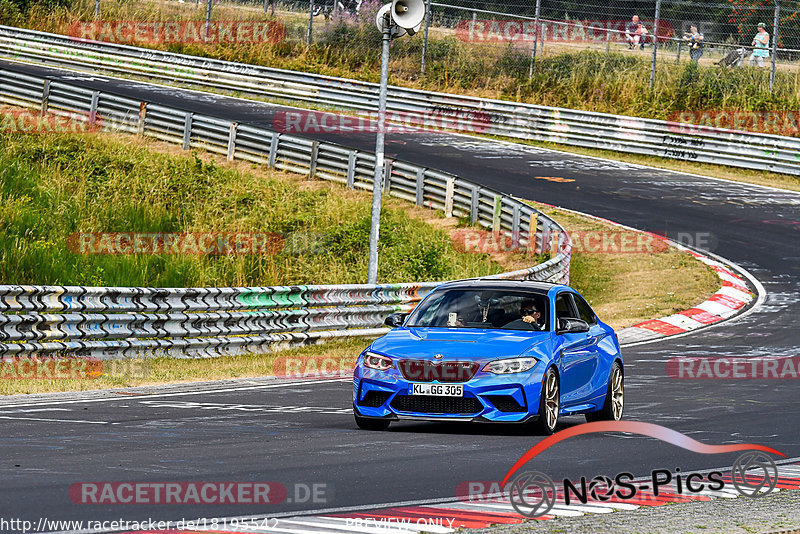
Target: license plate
[{"x": 438, "y": 390}]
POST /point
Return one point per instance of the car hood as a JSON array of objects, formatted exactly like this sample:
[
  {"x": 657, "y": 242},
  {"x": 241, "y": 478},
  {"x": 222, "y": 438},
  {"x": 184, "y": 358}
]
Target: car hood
[{"x": 457, "y": 343}]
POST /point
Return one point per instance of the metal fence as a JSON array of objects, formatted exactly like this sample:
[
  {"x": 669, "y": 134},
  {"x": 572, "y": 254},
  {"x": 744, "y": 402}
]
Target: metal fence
[
  {"x": 670, "y": 139},
  {"x": 550, "y": 27},
  {"x": 521, "y": 31},
  {"x": 133, "y": 322}
]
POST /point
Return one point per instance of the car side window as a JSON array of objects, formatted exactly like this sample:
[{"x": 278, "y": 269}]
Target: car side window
[
  {"x": 584, "y": 310},
  {"x": 563, "y": 307},
  {"x": 432, "y": 309}
]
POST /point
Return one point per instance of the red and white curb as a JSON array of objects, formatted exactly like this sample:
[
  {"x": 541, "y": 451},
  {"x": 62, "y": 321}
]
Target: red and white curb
[
  {"x": 444, "y": 518},
  {"x": 730, "y": 300}
]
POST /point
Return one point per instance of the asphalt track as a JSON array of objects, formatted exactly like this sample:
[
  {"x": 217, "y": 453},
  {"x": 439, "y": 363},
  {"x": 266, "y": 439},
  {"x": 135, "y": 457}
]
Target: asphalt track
[{"x": 304, "y": 433}]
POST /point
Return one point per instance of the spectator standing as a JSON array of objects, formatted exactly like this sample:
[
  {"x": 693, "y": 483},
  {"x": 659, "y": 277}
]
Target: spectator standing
[
  {"x": 695, "y": 39},
  {"x": 761, "y": 44}
]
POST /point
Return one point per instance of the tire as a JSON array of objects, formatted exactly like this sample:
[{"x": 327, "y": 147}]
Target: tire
[
  {"x": 549, "y": 404},
  {"x": 368, "y": 423},
  {"x": 615, "y": 397}
]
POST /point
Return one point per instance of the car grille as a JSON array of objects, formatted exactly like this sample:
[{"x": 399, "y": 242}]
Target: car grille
[
  {"x": 505, "y": 403},
  {"x": 428, "y": 371},
  {"x": 436, "y": 405},
  {"x": 374, "y": 399}
]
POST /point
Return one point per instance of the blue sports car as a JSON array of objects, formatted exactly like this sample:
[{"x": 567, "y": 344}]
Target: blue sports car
[{"x": 492, "y": 350}]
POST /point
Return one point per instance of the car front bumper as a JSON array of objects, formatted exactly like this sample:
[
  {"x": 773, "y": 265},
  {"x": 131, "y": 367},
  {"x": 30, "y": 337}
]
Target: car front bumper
[{"x": 487, "y": 398}]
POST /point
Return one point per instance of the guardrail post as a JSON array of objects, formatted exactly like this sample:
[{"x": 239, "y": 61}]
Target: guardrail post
[
  {"x": 93, "y": 107},
  {"x": 312, "y": 169},
  {"x": 532, "y": 232},
  {"x": 475, "y": 198},
  {"x": 273, "y": 150},
  {"x": 420, "y": 189},
  {"x": 498, "y": 208},
  {"x": 608, "y": 40},
  {"x": 387, "y": 175},
  {"x": 678, "y": 53},
  {"x": 45, "y": 96},
  {"x": 515, "y": 227},
  {"x": 142, "y": 118},
  {"x": 187, "y": 131},
  {"x": 351, "y": 168},
  {"x": 449, "y": 193},
  {"x": 545, "y": 236},
  {"x": 232, "y": 140}
]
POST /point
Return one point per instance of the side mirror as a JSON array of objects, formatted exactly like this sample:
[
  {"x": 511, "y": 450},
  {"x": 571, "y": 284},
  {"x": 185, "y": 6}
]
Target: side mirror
[
  {"x": 395, "y": 320},
  {"x": 572, "y": 326}
]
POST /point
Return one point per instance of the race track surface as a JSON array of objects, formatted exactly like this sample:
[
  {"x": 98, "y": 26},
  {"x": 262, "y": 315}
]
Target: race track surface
[{"x": 303, "y": 433}]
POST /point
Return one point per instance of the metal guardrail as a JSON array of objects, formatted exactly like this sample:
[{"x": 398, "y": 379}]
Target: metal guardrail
[
  {"x": 131, "y": 322},
  {"x": 522, "y": 121}
]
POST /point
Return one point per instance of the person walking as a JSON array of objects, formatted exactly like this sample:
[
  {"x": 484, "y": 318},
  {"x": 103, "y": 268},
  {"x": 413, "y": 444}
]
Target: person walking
[{"x": 761, "y": 44}]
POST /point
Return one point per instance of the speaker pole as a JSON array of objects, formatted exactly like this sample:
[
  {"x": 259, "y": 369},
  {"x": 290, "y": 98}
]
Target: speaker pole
[{"x": 377, "y": 179}]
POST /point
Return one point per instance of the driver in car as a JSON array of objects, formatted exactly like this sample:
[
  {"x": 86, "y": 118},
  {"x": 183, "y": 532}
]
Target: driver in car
[{"x": 529, "y": 318}]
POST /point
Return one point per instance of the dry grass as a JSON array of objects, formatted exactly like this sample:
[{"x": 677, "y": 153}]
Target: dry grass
[
  {"x": 130, "y": 373},
  {"x": 628, "y": 288}
]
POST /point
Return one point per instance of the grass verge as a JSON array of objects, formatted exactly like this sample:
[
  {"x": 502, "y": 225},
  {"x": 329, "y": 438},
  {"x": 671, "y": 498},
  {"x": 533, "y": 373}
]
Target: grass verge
[
  {"x": 630, "y": 287},
  {"x": 55, "y": 190},
  {"x": 115, "y": 183}
]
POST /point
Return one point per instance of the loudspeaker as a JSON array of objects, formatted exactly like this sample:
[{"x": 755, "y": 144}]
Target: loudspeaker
[{"x": 406, "y": 14}]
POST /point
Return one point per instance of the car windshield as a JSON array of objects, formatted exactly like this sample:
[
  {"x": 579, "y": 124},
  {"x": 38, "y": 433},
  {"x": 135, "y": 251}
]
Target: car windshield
[{"x": 481, "y": 308}]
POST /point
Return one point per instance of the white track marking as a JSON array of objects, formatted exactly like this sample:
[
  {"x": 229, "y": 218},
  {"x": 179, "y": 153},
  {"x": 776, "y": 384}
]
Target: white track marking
[
  {"x": 56, "y": 420},
  {"x": 179, "y": 394},
  {"x": 363, "y": 525}
]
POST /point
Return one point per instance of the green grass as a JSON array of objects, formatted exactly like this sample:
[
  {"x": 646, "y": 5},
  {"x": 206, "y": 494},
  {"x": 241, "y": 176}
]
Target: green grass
[{"x": 54, "y": 186}]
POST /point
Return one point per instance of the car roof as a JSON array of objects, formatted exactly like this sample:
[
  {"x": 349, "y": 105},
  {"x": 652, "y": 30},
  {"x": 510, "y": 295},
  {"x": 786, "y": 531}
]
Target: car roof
[{"x": 499, "y": 284}]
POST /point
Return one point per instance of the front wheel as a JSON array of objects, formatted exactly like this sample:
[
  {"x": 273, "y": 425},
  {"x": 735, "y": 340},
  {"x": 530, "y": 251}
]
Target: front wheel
[
  {"x": 368, "y": 423},
  {"x": 615, "y": 397},
  {"x": 549, "y": 404}
]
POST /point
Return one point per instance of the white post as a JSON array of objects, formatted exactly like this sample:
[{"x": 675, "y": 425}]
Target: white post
[{"x": 377, "y": 179}]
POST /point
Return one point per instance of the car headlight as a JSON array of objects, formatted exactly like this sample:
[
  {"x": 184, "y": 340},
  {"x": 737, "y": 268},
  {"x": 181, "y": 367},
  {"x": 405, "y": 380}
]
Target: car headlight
[
  {"x": 511, "y": 365},
  {"x": 373, "y": 360}
]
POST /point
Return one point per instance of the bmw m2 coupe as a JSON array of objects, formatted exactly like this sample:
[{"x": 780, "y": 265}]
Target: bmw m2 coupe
[{"x": 492, "y": 350}]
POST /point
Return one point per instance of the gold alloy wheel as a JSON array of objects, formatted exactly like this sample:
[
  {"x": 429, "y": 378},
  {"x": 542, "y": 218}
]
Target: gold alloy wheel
[
  {"x": 617, "y": 393},
  {"x": 551, "y": 400}
]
